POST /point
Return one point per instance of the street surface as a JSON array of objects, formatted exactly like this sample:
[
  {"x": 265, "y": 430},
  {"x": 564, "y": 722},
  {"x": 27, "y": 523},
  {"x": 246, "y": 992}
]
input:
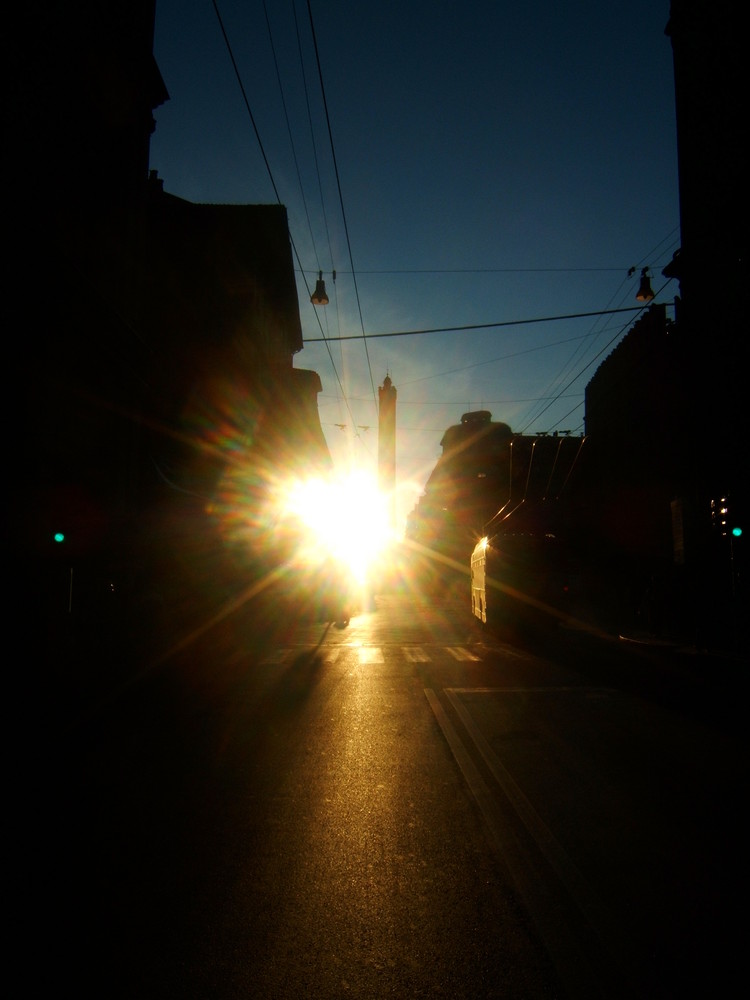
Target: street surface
[{"x": 406, "y": 807}]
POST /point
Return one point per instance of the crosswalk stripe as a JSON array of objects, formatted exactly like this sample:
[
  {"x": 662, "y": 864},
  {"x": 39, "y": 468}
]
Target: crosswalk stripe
[
  {"x": 370, "y": 654},
  {"x": 459, "y": 653}
]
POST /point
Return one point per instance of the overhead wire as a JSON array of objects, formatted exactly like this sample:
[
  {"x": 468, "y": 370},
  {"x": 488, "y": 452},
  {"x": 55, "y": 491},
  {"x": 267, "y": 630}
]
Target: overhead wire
[
  {"x": 270, "y": 174},
  {"x": 606, "y": 347},
  {"x": 341, "y": 198},
  {"x": 294, "y": 153},
  {"x": 476, "y": 326},
  {"x": 327, "y": 339},
  {"x": 481, "y": 270},
  {"x": 289, "y": 130},
  {"x": 546, "y": 400},
  {"x": 549, "y": 400},
  {"x": 593, "y": 335},
  {"x": 244, "y": 98},
  {"x": 344, "y": 395},
  {"x": 343, "y": 398}
]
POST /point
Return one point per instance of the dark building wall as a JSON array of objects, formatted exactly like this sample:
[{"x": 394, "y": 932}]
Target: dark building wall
[
  {"x": 154, "y": 339},
  {"x": 217, "y": 272},
  {"x": 711, "y": 108},
  {"x": 85, "y": 85},
  {"x": 637, "y": 402},
  {"x": 220, "y": 299},
  {"x": 663, "y": 412},
  {"x": 665, "y": 430}
]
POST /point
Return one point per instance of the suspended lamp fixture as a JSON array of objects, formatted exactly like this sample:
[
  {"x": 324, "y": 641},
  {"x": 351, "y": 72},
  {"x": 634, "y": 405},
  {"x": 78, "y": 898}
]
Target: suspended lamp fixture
[
  {"x": 645, "y": 292},
  {"x": 319, "y": 297}
]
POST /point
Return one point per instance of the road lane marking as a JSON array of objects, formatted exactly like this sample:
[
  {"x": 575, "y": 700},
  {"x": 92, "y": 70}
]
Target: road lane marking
[
  {"x": 560, "y": 940},
  {"x": 330, "y": 652},
  {"x": 588, "y": 691},
  {"x": 600, "y": 917},
  {"x": 461, "y": 653},
  {"x": 415, "y": 654},
  {"x": 370, "y": 654}
]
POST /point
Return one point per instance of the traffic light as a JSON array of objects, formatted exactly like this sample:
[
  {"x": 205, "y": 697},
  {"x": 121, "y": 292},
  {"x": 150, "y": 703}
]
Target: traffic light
[
  {"x": 720, "y": 516},
  {"x": 723, "y": 521}
]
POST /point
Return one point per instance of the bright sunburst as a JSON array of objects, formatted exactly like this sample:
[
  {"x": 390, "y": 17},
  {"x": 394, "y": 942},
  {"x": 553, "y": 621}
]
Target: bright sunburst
[{"x": 346, "y": 517}]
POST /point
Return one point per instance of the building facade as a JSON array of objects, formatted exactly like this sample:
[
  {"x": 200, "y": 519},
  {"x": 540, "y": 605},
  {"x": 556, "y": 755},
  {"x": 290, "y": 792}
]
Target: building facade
[{"x": 155, "y": 338}]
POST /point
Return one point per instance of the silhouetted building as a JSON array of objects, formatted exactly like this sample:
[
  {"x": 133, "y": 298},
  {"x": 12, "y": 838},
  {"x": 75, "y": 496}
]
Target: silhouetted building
[
  {"x": 665, "y": 438},
  {"x": 710, "y": 104},
  {"x": 155, "y": 338},
  {"x": 663, "y": 416}
]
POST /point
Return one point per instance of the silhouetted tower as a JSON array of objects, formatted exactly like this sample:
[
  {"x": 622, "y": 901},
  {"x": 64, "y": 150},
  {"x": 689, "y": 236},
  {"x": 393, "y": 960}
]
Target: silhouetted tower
[{"x": 387, "y": 441}]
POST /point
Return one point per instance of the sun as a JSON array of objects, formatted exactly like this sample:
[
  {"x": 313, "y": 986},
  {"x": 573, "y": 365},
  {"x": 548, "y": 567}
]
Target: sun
[{"x": 344, "y": 517}]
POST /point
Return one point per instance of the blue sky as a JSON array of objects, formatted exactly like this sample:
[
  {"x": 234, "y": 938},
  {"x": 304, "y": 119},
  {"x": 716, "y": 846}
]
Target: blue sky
[{"x": 459, "y": 166}]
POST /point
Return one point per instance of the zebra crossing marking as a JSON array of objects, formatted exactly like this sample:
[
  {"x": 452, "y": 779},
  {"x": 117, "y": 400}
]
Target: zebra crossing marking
[
  {"x": 461, "y": 653},
  {"x": 370, "y": 654}
]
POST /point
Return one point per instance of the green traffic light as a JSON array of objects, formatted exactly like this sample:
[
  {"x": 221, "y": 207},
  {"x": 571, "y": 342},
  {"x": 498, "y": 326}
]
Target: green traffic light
[
  {"x": 736, "y": 532},
  {"x": 59, "y": 536}
]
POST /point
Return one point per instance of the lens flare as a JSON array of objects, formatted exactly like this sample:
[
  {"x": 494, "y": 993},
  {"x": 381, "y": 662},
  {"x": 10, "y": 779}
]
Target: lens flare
[{"x": 344, "y": 517}]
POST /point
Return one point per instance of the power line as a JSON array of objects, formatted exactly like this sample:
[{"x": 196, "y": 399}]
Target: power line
[
  {"x": 443, "y": 402},
  {"x": 576, "y": 377},
  {"x": 247, "y": 103},
  {"x": 289, "y": 129},
  {"x": 270, "y": 174},
  {"x": 341, "y": 200},
  {"x": 478, "y": 270},
  {"x": 492, "y": 361},
  {"x": 535, "y": 412},
  {"x": 474, "y": 326}
]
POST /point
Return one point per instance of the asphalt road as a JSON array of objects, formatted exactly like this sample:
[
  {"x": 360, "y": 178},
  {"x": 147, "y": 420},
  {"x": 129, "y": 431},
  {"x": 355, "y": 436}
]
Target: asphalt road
[{"x": 407, "y": 807}]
